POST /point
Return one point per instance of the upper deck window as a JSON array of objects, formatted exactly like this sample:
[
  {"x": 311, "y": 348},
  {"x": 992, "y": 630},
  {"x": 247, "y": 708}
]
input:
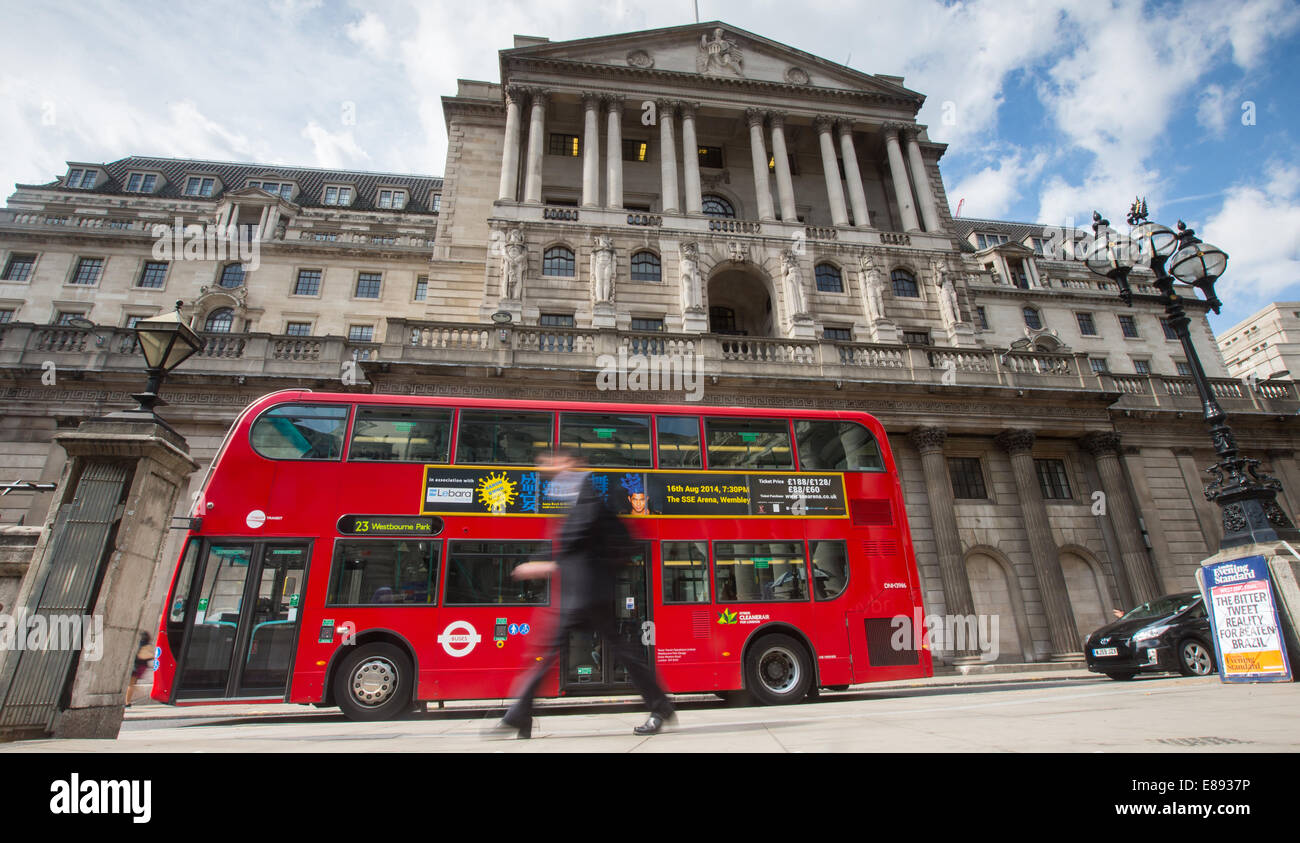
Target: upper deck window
[
  {"x": 300, "y": 432},
  {"x": 608, "y": 440},
  {"x": 749, "y": 443},
  {"x": 488, "y": 437},
  {"x": 836, "y": 446},
  {"x": 401, "y": 434}
]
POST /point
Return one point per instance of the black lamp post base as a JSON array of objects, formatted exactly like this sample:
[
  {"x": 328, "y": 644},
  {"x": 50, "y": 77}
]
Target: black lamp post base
[{"x": 1255, "y": 518}]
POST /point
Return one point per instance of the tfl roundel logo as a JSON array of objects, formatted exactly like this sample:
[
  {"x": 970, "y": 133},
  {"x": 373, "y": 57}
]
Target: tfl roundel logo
[{"x": 459, "y": 638}]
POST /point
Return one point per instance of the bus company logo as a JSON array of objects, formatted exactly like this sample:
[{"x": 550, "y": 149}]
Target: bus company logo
[
  {"x": 496, "y": 492},
  {"x": 727, "y": 617},
  {"x": 459, "y": 638},
  {"x": 128, "y": 796}
]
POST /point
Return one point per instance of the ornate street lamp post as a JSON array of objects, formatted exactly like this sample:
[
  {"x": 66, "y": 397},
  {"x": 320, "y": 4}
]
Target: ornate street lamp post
[
  {"x": 166, "y": 342},
  {"x": 1247, "y": 496}
]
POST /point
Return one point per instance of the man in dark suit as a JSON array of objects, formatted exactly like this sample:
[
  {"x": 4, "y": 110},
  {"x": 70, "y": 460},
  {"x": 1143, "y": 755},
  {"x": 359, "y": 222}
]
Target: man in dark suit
[{"x": 591, "y": 544}]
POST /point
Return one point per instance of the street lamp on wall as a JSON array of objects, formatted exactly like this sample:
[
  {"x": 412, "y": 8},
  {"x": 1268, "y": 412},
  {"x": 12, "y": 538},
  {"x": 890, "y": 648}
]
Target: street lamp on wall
[
  {"x": 166, "y": 342},
  {"x": 1247, "y": 496}
]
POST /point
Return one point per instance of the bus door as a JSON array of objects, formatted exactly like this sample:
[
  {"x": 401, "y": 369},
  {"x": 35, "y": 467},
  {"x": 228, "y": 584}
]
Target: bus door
[
  {"x": 243, "y": 622},
  {"x": 589, "y": 663}
]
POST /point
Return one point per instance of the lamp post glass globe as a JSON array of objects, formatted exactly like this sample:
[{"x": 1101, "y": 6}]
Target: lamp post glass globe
[{"x": 166, "y": 342}]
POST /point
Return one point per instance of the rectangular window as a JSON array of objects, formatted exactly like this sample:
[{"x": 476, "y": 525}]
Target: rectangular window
[
  {"x": 422, "y": 288},
  {"x": 1128, "y": 325},
  {"x": 1036, "y": 243},
  {"x": 967, "y": 478},
  {"x": 556, "y": 320},
  {"x": 981, "y": 318},
  {"x": 370, "y": 572},
  {"x": 300, "y": 432},
  {"x": 478, "y": 574},
  {"x": 760, "y": 572},
  {"x": 1052, "y": 479},
  {"x": 1142, "y": 367},
  {"x": 19, "y": 268},
  {"x": 1086, "y": 326},
  {"x": 308, "y": 283},
  {"x": 395, "y": 199},
  {"x": 685, "y": 572},
  {"x": 1098, "y": 365},
  {"x": 984, "y": 241},
  {"x": 197, "y": 186},
  {"x": 6, "y": 315},
  {"x": 1183, "y": 368},
  {"x": 749, "y": 443},
  {"x": 567, "y": 145},
  {"x": 679, "y": 441},
  {"x": 399, "y": 434},
  {"x": 361, "y": 333},
  {"x": 838, "y": 334},
  {"x": 65, "y": 317},
  {"x": 916, "y": 338},
  {"x": 74, "y": 178},
  {"x": 711, "y": 156},
  {"x": 153, "y": 275},
  {"x": 338, "y": 196},
  {"x": 836, "y": 446},
  {"x": 88, "y": 271},
  {"x": 494, "y": 438},
  {"x": 830, "y": 561},
  {"x": 132, "y": 321},
  {"x": 298, "y": 329},
  {"x": 1170, "y": 333},
  {"x": 608, "y": 440},
  {"x": 639, "y": 324},
  {"x": 636, "y": 150},
  {"x": 436, "y": 204},
  {"x": 368, "y": 285}
]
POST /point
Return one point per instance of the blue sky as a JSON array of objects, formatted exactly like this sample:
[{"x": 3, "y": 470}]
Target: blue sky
[{"x": 1051, "y": 108}]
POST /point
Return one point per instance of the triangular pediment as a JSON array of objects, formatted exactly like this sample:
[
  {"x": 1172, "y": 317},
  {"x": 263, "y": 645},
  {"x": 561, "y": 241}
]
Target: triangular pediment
[{"x": 711, "y": 50}]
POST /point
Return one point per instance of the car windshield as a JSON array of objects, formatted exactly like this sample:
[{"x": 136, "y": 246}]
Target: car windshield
[{"x": 1162, "y": 607}]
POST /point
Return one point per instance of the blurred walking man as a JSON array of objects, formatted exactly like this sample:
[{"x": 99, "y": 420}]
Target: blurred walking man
[{"x": 591, "y": 544}]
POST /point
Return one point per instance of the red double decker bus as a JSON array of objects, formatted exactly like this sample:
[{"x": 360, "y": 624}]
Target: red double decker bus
[{"x": 356, "y": 550}]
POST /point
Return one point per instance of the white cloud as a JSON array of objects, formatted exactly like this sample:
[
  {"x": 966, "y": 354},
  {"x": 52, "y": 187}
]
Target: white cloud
[
  {"x": 336, "y": 150},
  {"x": 1259, "y": 227},
  {"x": 370, "y": 33},
  {"x": 991, "y": 192},
  {"x": 1212, "y": 110}
]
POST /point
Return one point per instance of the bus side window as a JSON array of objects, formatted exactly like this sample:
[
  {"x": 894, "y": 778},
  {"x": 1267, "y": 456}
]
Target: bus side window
[
  {"x": 830, "y": 570},
  {"x": 763, "y": 572},
  {"x": 679, "y": 441},
  {"x": 494, "y": 438},
  {"x": 749, "y": 443},
  {"x": 300, "y": 432},
  {"x": 836, "y": 446},
  {"x": 685, "y": 568}
]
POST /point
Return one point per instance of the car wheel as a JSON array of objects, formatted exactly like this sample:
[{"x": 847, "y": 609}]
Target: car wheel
[
  {"x": 777, "y": 671},
  {"x": 1122, "y": 675},
  {"x": 374, "y": 683},
  {"x": 1195, "y": 659}
]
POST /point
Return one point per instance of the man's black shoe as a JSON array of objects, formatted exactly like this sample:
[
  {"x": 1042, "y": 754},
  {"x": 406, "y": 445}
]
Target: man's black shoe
[
  {"x": 503, "y": 730},
  {"x": 654, "y": 724}
]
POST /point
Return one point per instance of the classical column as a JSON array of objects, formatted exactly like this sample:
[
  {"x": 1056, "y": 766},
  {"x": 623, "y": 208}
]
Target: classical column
[
  {"x": 691, "y": 159},
  {"x": 668, "y": 156},
  {"x": 784, "y": 184},
  {"x": 1104, "y": 448},
  {"x": 1066, "y": 643},
  {"x": 839, "y": 213},
  {"x": 929, "y": 208},
  {"x": 536, "y": 147},
  {"x": 957, "y": 598},
  {"x": 509, "y": 190},
  {"x": 853, "y": 174},
  {"x": 902, "y": 190},
  {"x": 758, "y": 155},
  {"x": 590, "y": 151},
  {"x": 614, "y": 153}
]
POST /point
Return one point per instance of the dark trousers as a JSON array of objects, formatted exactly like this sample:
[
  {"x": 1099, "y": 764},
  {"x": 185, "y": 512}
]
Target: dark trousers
[{"x": 638, "y": 671}]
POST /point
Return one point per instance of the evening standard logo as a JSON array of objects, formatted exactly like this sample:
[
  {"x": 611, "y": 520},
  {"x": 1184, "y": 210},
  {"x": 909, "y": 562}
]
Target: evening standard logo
[
  {"x": 1232, "y": 573},
  {"x": 128, "y": 796}
]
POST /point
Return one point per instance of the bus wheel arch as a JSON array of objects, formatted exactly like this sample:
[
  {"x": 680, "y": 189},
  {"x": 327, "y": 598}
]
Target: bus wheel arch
[
  {"x": 371, "y": 640},
  {"x": 788, "y": 644}
]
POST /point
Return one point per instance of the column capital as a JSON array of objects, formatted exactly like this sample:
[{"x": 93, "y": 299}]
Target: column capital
[
  {"x": 754, "y": 116},
  {"x": 843, "y": 126},
  {"x": 688, "y": 109},
  {"x": 892, "y": 128},
  {"x": 1016, "y": 441},
  {"x": 590, "y": 99},
  {"x": 909, "y": 131},
  {"x": 928, "y": 439},
  {"x": 514, "y": 93},
  {"x": 823, "y": 123},
  {"x": 539, "y": 95},
  {"x": 777, "y": 118},
  {"x": 613, "y": 102},
  {"x": 1101, "y": 443},
  {"x": 667, "y": 107}
]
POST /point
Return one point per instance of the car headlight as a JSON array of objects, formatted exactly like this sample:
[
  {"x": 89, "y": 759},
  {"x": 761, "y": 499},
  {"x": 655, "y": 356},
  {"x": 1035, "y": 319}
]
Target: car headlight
[{"x": 1151, "y": 632}]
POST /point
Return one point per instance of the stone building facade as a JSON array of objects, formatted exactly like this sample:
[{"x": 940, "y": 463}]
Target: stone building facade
[
  {"x": 1265, "y": 345},
  {"x": 700, "y": 192}
]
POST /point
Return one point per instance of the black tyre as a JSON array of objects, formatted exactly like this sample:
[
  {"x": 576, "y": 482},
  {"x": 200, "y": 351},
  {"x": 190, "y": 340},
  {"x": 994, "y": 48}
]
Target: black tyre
[
  {"x": 1122, "y": 675},
  {"x": 777, "y": 670},
  {"x": 1195, "y": 658},
  {"x": 374, "y": 683}
]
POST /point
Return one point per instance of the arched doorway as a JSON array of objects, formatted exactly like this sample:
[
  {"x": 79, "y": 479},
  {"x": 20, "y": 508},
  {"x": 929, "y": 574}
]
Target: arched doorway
[
  {"x": 991, "y": 594},
  {"x": 740, "y": 304},
  {"x": 1087, "y": 597}
]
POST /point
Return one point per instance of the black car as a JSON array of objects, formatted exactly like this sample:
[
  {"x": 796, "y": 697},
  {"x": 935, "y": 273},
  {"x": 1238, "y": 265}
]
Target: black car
[{"x": 1169, "y": 633}]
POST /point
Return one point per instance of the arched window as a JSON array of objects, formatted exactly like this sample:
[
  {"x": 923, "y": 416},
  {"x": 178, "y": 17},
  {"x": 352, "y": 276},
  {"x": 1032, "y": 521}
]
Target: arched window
[
  {"x": 558, "y": 260},
  {"x": 715, "y": 206},
  {"x": 220, "y": 321},
  {"x": 904, "y": 284},
  {"x": 646, "y": 267},
  {"x": 829, "y": 279},
  {"x": 232, "y": 275},
  {"x": 1032, "y": 320}
]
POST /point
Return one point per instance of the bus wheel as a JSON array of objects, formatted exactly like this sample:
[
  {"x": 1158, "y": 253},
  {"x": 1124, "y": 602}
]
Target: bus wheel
[
  {"x": 374, "y": 683},
  {"x": 777, "y": 670}
]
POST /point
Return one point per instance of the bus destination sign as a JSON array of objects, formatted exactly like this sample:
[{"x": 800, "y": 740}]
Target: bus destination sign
[
  {"x": 389, "y": 525},
  {"x": 518, "y": 491}
]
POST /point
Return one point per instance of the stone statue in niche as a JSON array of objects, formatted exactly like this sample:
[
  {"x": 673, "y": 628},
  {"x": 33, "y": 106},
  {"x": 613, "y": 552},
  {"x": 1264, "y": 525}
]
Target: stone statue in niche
[
  {"x": 690, "y": 272},
  {"x": 793, "y": 280},
  {"x": 948, "y": 299},
  {"x": 873, "y": 288},
  {"x": 514, "y": 262},
  {"x": 720, "y": 54},
  {"x": 602, "y": 270}
]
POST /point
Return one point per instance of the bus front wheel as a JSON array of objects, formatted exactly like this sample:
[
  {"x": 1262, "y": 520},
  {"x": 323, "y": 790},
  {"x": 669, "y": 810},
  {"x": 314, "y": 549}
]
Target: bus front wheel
[
  {"x": 374, "y": 683},
  {"x": 777, "y": 671}
]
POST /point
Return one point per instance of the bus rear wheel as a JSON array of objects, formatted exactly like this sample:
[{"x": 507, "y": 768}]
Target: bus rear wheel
[
  {"x": 777, "y": 671},
  {"x": 374, "y": 683}
]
